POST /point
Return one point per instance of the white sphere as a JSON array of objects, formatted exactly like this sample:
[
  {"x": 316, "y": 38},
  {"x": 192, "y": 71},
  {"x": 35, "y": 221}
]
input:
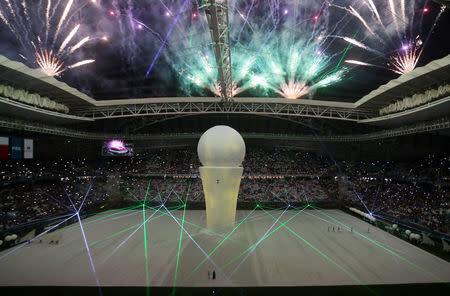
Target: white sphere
[
  {"x": 221, "y": 146},
  {"x": 14, "y": 236},
  {"x": 1, "y": 242},
  {"x": 394, "y": 226},
  {"x": 408, "y": 232},
  {"x": 8, "y": 238}
]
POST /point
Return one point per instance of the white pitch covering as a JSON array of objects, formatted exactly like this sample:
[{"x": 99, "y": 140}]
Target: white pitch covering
[{"x": 282, "y": 259}]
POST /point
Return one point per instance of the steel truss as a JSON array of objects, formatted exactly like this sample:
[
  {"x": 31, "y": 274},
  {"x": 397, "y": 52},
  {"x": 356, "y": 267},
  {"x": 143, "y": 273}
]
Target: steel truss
[
  {"x": 440, "y": 124},
  {"x": 217, "y": 15},
  {"x": 259, "y": 108}
]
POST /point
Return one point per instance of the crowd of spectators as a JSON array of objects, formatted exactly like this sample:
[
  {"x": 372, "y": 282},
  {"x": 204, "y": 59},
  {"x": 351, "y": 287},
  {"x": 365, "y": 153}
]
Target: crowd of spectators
[
  {"x": 419, "y": 203},
  {"x": 26, "y": 202},
  {"x": 271, "y": 189},
  {"x": 415, "y": 191}
]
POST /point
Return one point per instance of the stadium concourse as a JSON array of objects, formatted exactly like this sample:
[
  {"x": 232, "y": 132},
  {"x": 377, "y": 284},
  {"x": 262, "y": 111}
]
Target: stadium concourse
[{"x": 342, "y": 109}]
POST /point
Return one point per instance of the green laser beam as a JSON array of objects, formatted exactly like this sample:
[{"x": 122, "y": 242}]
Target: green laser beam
[
  {"x": 199, "y": 233},
  {"x": 196, "y": 226},
  {"x": 172, "y": 190},
  {"x": 190, "y": 39},
  {"x": 384, "y": 248},
  {"x": 345, "y": 52},
  {"x": 193, "y": 235},
  {"x": 165, "y": 191},
  {"x": 179, "y": 244},
  {"x": 270, "y": 233},
  {"x": 140, "y": 202},
  {"x": 146, "y": 193},
  {"x": 131, "y": 227},
  {"x": 147, "y": 276},
  {"x": 215, "y": 233},
  {"x": 99, "y": 219},
  {"x": 124, "y": 230},
  {"x": 113, "y": 235},
  {"x": 212, "y": 252},
  {"x": 352, "y": 276}
]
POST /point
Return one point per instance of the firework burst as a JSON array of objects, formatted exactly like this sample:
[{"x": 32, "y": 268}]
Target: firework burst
[
  {"x": 217, "y": 90},
  {"x": 276, "y": 49},
  {"x": 190, "y": 54},
  {"x": 48, "y": 62},
  {"x": 291, "y": 56},
  {"x": 405, "y": 60},
  {"x": 198, "y": 72},
  {"x": 390, "y": 25},
  {"x": 57, "y": 46},
  {"x": 293, "y": 90},
  {"x": 293, "y": 69}
]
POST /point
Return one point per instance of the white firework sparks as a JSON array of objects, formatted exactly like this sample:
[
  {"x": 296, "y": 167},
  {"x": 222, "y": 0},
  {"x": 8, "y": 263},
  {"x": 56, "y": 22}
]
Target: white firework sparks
[
  {"x": 68, "y": 38},
  {"x": 48, "y": 62},
  {"x": 406, "y": 61},
  {"x": 217, "y": 90},
  {"x": 63, "y": 17},
  {"x": 293, "y": 90},
  {"x": 79, "y": 44},
  {"x": 356, "y": 43},
  {"x": 48, "y": 54},
  {"x": 389, "y": 23},
  {"x": 375, "y": 11},
  {"x": 81, "y": 63},
  {"x": 360, "y": 63},
  {"x": 363, "y": 21}
]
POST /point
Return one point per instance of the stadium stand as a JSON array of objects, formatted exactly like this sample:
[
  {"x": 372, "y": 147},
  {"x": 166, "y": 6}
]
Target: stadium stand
[{"x": 402, "y": 191}]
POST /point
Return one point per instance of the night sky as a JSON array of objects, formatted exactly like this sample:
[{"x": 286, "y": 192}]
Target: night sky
[{"x": 123, "y": 60}]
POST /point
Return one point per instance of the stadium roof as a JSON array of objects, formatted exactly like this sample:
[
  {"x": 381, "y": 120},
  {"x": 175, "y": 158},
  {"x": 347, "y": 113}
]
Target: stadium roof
[
  {"x": 431, "y": 75},
  {"x": 33, "y": 80},
  {"x": 364, "y": 110}
]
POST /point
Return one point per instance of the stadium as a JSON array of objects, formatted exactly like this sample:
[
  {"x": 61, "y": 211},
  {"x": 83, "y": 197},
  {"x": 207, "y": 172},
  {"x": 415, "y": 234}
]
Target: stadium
[{"x": 224, "y": 147}]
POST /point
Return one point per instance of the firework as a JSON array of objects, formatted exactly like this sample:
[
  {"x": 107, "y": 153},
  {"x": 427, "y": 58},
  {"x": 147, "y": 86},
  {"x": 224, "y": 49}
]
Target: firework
[
  {"x": 405, "y": 60},
  {"x": 48, "y": 62},
  {"x": 293, "y": 69},
  {"x": 356, "y": 43},
  {"x": 190, "y": 54},
  {"x": 360, "y": 63},
  {"x": 276, "y": 49},
  {"x": 58, "y": 44},
  {"x": 390, "y": 25},
  {"x": 198, "y": 71},
  {"x": 217, "y": 90},
  {"x": 293, "y": 56},
  {"x": 293, "y": 90}
]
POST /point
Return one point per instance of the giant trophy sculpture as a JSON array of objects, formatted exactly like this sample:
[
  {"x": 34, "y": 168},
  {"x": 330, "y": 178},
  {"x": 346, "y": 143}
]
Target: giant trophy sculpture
[{"x": 221, "y": 150}]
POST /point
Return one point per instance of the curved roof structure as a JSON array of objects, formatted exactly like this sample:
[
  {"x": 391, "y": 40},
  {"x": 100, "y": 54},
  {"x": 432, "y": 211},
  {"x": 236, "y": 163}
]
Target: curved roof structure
[
  {"x": 431, "y": 75},
  {"x": 84, "y": 108},
  {"x": 21, "y": 76}
]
